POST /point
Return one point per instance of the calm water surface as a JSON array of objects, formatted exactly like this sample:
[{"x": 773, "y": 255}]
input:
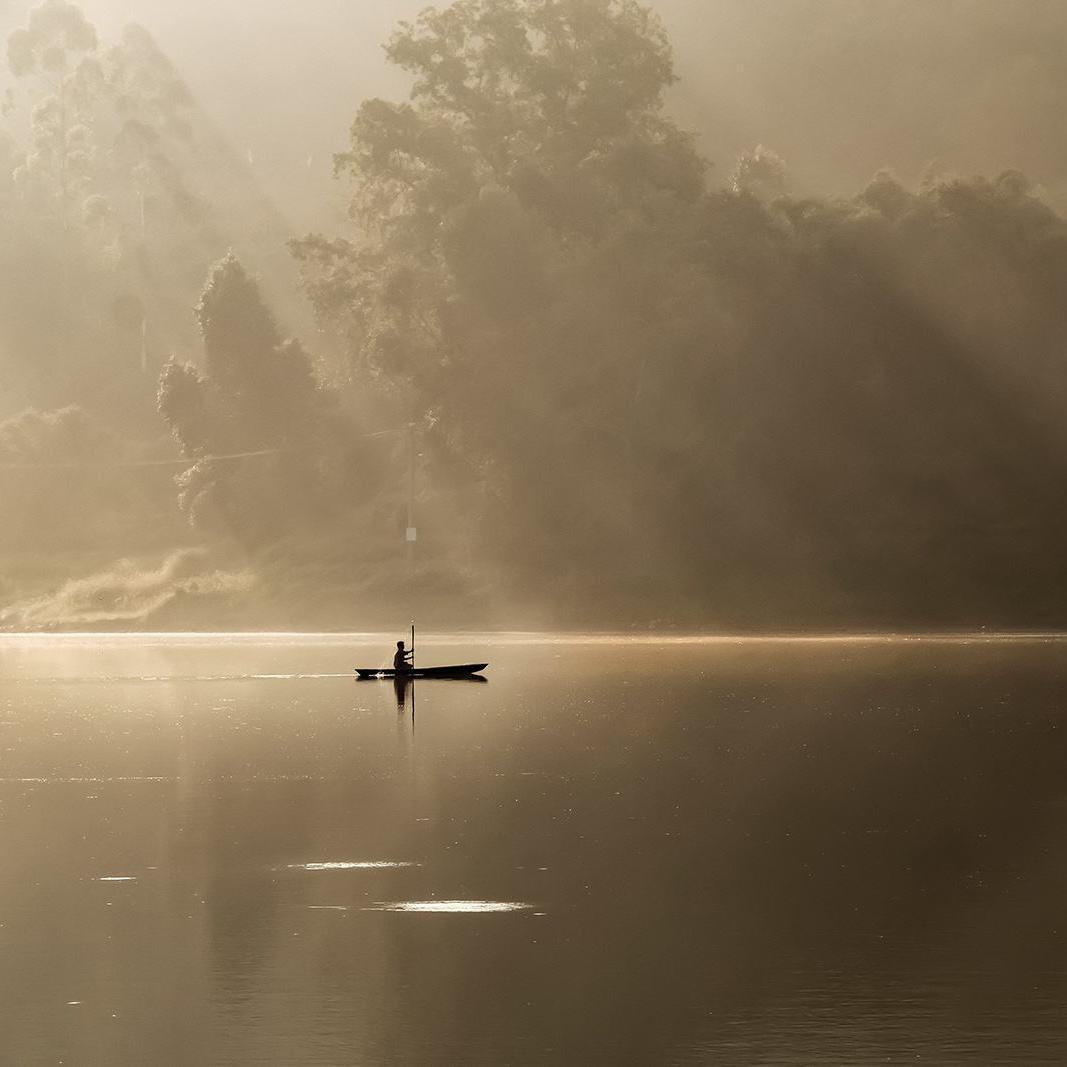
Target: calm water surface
[{"x": 226, "y": 850}]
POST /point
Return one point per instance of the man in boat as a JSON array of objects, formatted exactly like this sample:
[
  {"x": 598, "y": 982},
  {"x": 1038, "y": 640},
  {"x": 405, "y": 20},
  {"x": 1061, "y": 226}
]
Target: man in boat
[{"x": 402, "y": 659}]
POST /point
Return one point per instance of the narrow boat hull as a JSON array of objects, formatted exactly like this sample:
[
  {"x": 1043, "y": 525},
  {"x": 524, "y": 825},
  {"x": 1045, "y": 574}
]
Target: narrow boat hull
[{"x": 459, "y": 670}]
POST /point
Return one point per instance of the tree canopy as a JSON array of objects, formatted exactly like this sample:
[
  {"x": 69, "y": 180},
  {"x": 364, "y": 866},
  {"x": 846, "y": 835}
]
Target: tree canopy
[
  {"x": 608, "y": 382},
  {"x": 649, "y": 376}
]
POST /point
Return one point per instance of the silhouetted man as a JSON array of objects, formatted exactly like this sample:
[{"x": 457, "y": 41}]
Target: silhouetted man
[{"x": 402, "y": 659}]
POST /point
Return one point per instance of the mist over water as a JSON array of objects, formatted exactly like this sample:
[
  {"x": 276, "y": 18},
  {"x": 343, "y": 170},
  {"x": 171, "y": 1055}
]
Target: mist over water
[
  {"x": 614, "y": 851},
  {"x": 699, "y": 366}
]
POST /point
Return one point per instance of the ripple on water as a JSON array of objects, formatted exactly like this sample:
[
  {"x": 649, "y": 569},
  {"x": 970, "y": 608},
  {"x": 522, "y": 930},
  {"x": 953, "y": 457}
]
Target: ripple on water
[{"x": 475, "y": 907}]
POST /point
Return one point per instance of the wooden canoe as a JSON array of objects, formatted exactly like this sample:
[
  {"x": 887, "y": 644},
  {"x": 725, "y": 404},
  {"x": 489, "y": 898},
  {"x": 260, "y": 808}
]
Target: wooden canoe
[{"x": 457, "y": 670}]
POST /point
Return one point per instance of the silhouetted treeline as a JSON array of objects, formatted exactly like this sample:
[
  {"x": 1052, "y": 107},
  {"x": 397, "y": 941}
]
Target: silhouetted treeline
[
  {"x": 769, "y": 410},
  {"x": 631, "y": 388}
]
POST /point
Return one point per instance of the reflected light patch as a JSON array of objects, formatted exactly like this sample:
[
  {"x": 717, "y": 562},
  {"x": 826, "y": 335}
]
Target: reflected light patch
[
  {"x": 452, "y": 906},
  {"x": 344, "y": 865}
]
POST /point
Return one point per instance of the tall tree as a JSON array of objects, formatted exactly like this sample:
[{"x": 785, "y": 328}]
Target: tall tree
[
  {"x": 500, "y": 208},
  {"x": 58, "y": 47},
  {"x": 270, "y": 453}
]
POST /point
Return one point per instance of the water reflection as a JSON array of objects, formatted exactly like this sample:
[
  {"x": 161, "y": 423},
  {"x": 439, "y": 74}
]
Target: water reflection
[
  {"x": 403, "y": 688},
  {"x": 762, "y": 853}
]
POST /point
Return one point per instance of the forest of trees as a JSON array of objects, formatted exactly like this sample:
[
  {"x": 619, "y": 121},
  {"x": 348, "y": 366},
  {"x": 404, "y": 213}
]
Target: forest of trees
[{"x": 631, "y": 386}]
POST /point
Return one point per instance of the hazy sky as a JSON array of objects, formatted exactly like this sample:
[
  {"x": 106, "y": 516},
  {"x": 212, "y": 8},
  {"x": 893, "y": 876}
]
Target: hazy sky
[
  {"x": 282, "y": 79},
  {"x": 839, "y": 88}
]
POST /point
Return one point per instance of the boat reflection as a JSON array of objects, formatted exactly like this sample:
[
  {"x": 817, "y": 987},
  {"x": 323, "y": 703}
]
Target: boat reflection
[{"x": 405, "y": 687}]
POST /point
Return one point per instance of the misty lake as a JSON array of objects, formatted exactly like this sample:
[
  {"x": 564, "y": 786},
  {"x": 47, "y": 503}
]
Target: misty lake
[{"x": 227, "y": 850}]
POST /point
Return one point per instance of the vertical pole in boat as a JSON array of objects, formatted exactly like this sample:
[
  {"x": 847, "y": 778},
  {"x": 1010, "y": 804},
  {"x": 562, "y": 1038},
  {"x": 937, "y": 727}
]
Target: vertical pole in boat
[{"x": 413, "y": 646}]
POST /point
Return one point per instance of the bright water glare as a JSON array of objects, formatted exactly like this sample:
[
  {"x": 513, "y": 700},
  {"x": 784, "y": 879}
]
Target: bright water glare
[{"x": 675, "y": 852}]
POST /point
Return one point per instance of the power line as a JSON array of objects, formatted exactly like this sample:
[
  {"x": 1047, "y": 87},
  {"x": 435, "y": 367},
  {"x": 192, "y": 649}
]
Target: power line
[
  {"x": 185, "y": 462},
  {"x": 136, "y": 462}
]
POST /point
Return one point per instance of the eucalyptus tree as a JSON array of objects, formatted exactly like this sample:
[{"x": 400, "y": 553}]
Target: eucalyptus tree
[
  {"x": 511, "y": 249},
  {"x": 56, "y": 51},
  {"x": 110, "y": 230}
]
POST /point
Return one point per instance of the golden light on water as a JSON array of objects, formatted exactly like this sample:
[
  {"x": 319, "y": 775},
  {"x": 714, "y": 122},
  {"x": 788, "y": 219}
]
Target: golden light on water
[
  {"x": 341, "y": 865},
  {"x": 471, "y": 907}
]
